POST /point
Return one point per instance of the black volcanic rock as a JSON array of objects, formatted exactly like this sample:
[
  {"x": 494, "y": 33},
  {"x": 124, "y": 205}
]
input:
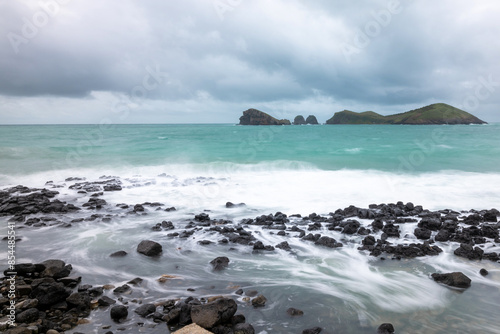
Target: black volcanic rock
[
  {"x": 257, "y": 117},
  {"x": 311, "y": 119},
  {"x": 455, "y": 279},
  {"x": 299, "y": 120}
]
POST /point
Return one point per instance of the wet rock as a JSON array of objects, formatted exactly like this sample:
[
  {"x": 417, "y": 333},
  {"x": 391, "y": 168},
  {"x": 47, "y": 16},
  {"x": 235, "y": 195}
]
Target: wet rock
[
  {"x": 491, "y": 216},
  {"x": 233, "y": 205},
  {"x": 350, "y": 226},
  {"x": 314, "y": 330},
  {"x": 121, "y": 289},
  {"x": 483, "y": 272},
  {"x": 391, "y": 230},
  {"x": 220, "y": 263},
  {"x": 149, "y": 248},
  {"x": 294, "y": 312},
  {"x": 112, "y": 187},
  {"x": 106, "y": 301},
  {"x": 432, "y": 224},
  {"x": 442, "y": 235},
  {"x": 369, "y": 240},
  {"x": 260, "y": 246},
  {"x": 422, "y": 233},
  {"x": 95, "y": 203},
  {"x": 212, "y": 314},
  {"x": 49, "y": 294},
  {"x": 284, "y": 245},
  {"x": 167, "y": 225},
  {"x": 28, "y": 316},
  {"x": 120, "y": 253},
  {"x": 118, "y": 312},
  {"x": 385, "y": 328},
  {"x": 259, "y": 301},
  {"x": 138, "y": 208},
  {"x": 328, "y": 242},
  {"x": 70, "y": 282},
  {"x": 474, "y": 219},
  {"x": 202, "y": 217},
  {"x": 145, "y": 309},
  {"x": 455, "y": 279},
  {"x": 469, "y": 252},
  {"x": 243, "y": 328}
]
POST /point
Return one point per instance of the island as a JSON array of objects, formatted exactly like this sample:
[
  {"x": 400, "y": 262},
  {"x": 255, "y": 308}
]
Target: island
[
  {"x": 257, "y": 117},
  {"x": 299, "y": 120},
  {"x": 438, "y": 113}
]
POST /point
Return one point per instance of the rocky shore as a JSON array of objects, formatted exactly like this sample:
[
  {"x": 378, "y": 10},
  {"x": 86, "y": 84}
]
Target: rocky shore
[{"x": 49, "y": 299}]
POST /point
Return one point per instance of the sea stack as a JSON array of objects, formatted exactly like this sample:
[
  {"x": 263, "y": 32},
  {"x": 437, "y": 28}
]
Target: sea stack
[
  {"x": 299, "y": 120},
  {"x": 311, "y": 119},
  {"x": 257, "y": 117}
]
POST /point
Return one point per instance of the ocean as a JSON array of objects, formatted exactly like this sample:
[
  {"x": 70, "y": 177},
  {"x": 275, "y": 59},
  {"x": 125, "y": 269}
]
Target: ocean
[{"x": 290, "y": 169}]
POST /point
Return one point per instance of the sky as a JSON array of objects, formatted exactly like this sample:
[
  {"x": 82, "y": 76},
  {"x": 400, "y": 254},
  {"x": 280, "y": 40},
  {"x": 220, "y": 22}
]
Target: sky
[{"x": 206, "y": 61}]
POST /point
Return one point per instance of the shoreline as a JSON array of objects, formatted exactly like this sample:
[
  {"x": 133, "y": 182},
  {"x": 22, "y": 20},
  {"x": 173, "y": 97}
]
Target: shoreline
[{"x": 382, "y": 231}]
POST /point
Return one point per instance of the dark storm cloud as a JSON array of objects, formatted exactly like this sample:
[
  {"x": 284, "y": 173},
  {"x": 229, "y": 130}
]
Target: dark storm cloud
[{"x": 230, "y": 55}]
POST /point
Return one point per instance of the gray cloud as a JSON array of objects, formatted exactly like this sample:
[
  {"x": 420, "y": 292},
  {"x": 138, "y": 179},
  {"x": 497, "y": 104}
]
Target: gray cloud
[{"x": 217, "y": 58}]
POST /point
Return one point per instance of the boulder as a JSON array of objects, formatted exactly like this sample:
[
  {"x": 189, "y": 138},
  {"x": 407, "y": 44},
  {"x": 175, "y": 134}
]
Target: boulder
[
  {"x": 49, "y": 294},
  {"x": 220, "y": 263},
  {"x": 259, "y": 301},
  {"x": 314, "y": 330},
  {"x": 149, "y": 248},
  {"x": 422, "y": 233},
  {"x": 469, "y": 252},
  {"x": 56, "y": 269},
  {"x": 28, "y": 316},
  {"x": 145, "y": 309},
  {"x": 385, "y": 328},
  {"x": 455, "y": 279},
  {"x": 120, "y": 253},
  {"x": 118, "y": 312},
  {"x": 212, "y": 314},
  {"x": 328, "y": 242}
]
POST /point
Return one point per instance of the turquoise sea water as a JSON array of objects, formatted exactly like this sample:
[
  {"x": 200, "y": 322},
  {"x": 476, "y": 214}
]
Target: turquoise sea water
[
  {"x": 471, "y": 148},
  {"x": 292, "y": 169}
]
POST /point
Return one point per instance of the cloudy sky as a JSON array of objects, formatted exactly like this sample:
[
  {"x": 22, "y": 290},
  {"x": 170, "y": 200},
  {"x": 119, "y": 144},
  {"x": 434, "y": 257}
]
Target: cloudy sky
[{"x": 205, "y": 61}]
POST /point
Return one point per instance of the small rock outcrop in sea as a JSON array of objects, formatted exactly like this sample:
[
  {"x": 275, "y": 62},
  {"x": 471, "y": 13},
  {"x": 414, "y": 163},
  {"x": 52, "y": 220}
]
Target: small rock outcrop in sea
[
  {"x": 311, "y": 119},
  {"x": 212, "y": 314},
  {"x": 455, "y": 279},
  {"x": 149, "y": 248},
  {"x": 220, "y": 263},
  {"x": 257, "y": 117},
  {"x": 386, "y": 328},
  {"x": 299, "y": 120}
]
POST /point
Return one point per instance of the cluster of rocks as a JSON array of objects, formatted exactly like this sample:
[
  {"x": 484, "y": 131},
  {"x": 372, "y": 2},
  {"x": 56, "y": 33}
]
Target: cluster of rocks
[
  {"x": 13, "y": 202},
  {"x": 257, "y": 117},
  {"x": 48, "y": 300},
  {"x": 299, "y": 120},
  {"x": 46, "y": 297}
]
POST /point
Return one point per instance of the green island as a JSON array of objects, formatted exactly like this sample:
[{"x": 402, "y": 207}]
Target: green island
[{"x": 438, "y": 113}]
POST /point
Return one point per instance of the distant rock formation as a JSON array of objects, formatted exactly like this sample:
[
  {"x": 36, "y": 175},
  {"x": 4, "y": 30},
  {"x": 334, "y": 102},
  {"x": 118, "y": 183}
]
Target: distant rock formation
[
  {"x": 299, "y": 120},
  {"x": 311, "y": 119},
  {"x": 257, "y": 117},
  {"x": 438, "y": 113}
]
